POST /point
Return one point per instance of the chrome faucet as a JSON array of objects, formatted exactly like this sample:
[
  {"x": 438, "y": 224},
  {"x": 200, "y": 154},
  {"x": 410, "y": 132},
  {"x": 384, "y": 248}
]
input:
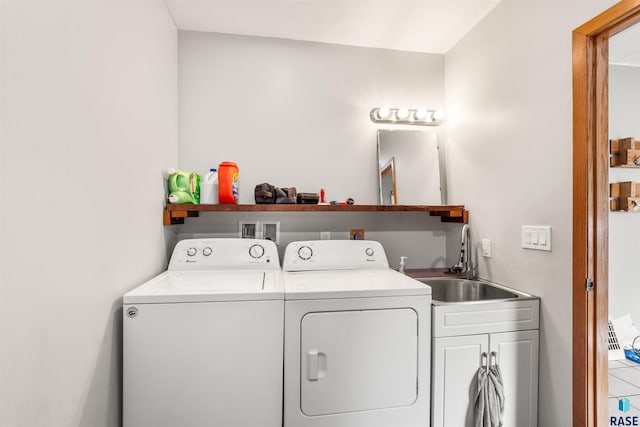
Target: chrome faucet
[{"x": 465, "y": 261}]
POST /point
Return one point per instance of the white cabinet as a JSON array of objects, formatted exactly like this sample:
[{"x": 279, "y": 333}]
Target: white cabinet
[
  {"x": 455, "y": 362},
  {"x": 456, "y": 359}
]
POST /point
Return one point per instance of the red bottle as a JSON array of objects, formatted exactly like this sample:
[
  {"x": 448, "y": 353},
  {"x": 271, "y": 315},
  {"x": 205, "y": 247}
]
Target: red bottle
[{"x": 228, "y": 183}]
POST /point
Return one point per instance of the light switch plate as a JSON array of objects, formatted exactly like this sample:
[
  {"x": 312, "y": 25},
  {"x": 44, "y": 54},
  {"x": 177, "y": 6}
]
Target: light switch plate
[
  {"x": 486, "y": 248},
  {"x": 536, "y": 237}
]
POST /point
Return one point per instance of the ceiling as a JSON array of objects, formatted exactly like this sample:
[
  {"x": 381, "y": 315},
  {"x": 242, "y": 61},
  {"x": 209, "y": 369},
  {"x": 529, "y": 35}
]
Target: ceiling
[{"x": 432, "y": 26}]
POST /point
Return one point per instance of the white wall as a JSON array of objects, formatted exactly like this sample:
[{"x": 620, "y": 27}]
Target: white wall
[
  {"x": 88, "y": 122},
  {"x": 423, "y": 239},
  {"x": 624, "y": 228},
  {"x": 294, "y": 113},
  {"x": 508, "y": 90}
]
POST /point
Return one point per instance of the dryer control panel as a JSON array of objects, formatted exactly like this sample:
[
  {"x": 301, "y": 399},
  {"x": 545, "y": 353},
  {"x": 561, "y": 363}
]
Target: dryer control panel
[
  {"x": 215, "y": 253},
  {"x": 334, "y": 255}
]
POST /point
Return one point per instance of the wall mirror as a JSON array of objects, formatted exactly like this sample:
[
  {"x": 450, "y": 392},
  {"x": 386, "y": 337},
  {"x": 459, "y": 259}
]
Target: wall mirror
[{"x": 409, "y": 167}]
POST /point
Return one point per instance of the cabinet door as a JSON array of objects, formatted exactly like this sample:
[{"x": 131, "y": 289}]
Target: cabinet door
[
  {"x": 517, "y": 356},
  {"x": 455, "y": 363}
]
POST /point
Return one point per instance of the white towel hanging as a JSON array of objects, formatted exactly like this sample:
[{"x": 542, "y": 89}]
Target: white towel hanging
[{"x": 489, "y": 402}]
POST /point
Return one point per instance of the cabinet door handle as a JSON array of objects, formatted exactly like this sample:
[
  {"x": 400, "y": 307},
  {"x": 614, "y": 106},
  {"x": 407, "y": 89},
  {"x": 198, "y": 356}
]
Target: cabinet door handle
[{"x": 492, "y": 358}]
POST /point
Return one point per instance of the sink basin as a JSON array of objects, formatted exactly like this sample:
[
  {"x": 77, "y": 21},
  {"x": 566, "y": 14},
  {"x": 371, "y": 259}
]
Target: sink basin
[{"x": 464, "y": 290}]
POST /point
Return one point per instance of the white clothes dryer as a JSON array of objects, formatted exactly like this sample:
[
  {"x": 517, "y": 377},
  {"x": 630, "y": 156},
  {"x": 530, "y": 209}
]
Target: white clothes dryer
[
  {"x": 357, "y": 338},
  {"x": 203, "y": 340}
]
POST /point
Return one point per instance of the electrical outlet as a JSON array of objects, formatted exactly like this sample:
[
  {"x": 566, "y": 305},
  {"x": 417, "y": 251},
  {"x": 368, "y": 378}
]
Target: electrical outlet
[
  {"x": 356, "y": 234},
  {"x": 247, "y": 229},
  {"x": 325, "y": 235},
  {"x": 270, "y": 230}
]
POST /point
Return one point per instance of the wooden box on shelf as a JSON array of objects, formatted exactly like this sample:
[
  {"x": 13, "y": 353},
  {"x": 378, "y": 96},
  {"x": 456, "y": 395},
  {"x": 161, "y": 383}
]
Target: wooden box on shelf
[
  {"x": 625, "y": 152},
  {"x": 625, "y": 196}
]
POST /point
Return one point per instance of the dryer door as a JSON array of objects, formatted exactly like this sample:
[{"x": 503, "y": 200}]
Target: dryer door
[{"x": 358, "y": 360}]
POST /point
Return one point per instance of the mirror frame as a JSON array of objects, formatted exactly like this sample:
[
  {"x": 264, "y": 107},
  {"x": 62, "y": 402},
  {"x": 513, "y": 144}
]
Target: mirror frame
[{"x": 388, "y": 167}]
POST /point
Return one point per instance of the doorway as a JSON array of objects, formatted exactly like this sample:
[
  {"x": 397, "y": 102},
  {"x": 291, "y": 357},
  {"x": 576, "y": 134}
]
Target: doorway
[
  {"x": 591, "y": 210},
  {"x": 624, "y": 227}
]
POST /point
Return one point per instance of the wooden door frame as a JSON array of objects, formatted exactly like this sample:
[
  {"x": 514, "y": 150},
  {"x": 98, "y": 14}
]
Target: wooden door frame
[{"x": 591, "y": 209}]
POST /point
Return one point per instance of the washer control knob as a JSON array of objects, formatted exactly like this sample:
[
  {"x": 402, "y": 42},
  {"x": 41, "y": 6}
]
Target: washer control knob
[
  {"x": 256, "y": 251},
  {"x": 369, "y": 252},
  {"x": 305, "y": 252},
  {"x": 191, "y": 251},
  {"x": 207, "y": 251}
]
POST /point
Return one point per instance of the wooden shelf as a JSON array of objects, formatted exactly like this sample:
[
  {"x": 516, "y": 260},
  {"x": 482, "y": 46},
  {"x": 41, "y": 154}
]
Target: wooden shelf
[
  {"x": 624, "y": 196},
  {"x": 176, "y": 213},
  {"x": 624, "y": 153}
]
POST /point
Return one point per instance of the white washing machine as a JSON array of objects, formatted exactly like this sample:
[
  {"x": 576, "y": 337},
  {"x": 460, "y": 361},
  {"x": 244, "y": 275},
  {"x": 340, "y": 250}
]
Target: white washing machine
[
  {"x": 203, "y": 340},
  {"x": 357, "y": 338}
]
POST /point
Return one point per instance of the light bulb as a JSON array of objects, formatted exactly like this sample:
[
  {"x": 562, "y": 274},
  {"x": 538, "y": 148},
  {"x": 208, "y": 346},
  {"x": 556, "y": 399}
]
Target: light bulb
[
  {"x": 384, "y": 113},
  {"x": 438, "y": 115},
  {"x": 402, "y": 114},
  {"x": 421, "y": 114}
]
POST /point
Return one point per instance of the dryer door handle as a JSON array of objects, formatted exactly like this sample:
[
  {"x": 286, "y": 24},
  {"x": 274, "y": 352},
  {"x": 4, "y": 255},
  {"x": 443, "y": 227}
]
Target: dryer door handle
[{"x": 316, "y": 365}]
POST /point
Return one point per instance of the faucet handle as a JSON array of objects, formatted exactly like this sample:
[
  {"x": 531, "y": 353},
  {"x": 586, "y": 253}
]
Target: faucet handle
[{"x": 470, "y": 270}]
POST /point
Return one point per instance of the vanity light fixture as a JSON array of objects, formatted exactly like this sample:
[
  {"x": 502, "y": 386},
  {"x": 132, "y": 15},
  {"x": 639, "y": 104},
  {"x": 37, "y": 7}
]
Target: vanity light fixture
[
  {"x": 421, "y": 114},
  {"x": 383, "y": 113},
  {"x": 402, "y": 114},
  {"x": 438, "y": 115},
  {"x": 407, "y": 116}
]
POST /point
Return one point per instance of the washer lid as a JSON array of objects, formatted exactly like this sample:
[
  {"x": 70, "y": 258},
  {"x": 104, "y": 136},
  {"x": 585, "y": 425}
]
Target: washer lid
[
  {"x": 350, "y": 284},
  {"x": 202, "y": 286}
]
